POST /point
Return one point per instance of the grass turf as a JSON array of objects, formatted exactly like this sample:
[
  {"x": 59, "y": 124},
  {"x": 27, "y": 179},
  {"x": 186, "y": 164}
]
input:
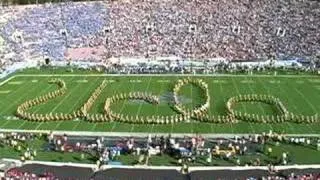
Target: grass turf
[{"x": 300, "y": 94}]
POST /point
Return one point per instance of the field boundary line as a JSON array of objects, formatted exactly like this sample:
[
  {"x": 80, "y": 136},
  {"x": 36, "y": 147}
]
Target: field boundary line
[
  {"x": 142, "y": 134},
  {"x": 165, "y": 75},
  {"x": 7, "y": 80}
]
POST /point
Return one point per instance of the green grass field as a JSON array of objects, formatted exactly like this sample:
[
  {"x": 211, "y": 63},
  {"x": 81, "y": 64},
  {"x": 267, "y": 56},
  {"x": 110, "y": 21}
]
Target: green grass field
[{"x": 300, "y": 94}]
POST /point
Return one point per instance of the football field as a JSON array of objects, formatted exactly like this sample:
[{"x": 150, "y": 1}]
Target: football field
[{"x": 299, "y": 94}]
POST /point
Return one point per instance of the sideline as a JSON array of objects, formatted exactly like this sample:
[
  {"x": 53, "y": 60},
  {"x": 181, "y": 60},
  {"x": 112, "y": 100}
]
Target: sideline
[
  {"x": 163, "y": 75},
  {"x": 142, "y": 134},
  {"x": 156, "y": 75},
  {"x": 5, "y": 81}
]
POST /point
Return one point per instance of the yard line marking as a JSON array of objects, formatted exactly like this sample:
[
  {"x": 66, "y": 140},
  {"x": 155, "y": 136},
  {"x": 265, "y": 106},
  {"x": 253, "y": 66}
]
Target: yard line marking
[
  {"x": 75, "y": 126},
  {"x": 224, "y": 100},
  {"x": 5, "y": 92},
  {"x": 314, "y": 80},
  {"x": 157, "y": 107},
  {"x": 310, "y": 104},
  {"x": 215, "y": 104},
  {"x": 267, "y": 90},
  {"x": 260, "y": 107},
  {"x": 124, "y": 106},
  {"x": 306, "y": 100},
  {"x": 65, "y": 97},
  {"x": 21, "y": 97},
  {"x": 288, "y": 99},
  {"x": 236, "y": 87},
  {"x": 163, "y": 81},
  {"x": 82, "y": 81},
  {"x": 7, "y": 121},
  {"x": 94, "y": 126},
  {"x": 24, "y": 121},
  {"x": 87, "y": 90},
  {"x": 147, "y": 91},
  {"x": 37, "y": 109},
  {"x": 115, "y": 123},
  {"x": 168, "y": 75},
  {"x": 15, "y": 102},
  {"x": 192, "y": 105},
  {"x": 80, "y": 99},
  {"x": 140, "y": 105},
  {"x": 16, "y": 82},
  {"x": 7, "y": 80}
]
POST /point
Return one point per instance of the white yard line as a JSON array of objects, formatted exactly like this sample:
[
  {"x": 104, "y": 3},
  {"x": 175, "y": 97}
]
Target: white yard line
[
  {"x": 295, "y": 107},
  {"x": 191, "y": 122},
  {"x": 310, "y": 104},
  {"x": 81, "y": 99},
  {"x": 306, "y": 100},
  {"x": 260, "y": 104},
  {"x": 7, "y": 80},
  {"x": 245, "y": 109},
  {"x": 224, "y": 99},
  {"x": 15, "y": 102},
  {"x": 115, "y": 123},
  {"x": 157, "y": 107},
  {"x": 21, "y": 97},
  {"x": 44, "y": 90},
  {"x": 140, "y": 105},
  {"x": 59, "y": 104},
  {"x": 7, "y": 121},
  {"x": 288, "y": 98},
  {"x": 165, "y": 75},
  {"x": 4, "y": 82},
  {"x": 94, "y": 126},
  {"x": 72, "y": 109}
]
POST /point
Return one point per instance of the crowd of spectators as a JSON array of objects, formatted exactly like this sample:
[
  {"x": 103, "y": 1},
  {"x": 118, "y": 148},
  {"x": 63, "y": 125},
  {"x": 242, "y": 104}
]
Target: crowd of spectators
[
  {"x": 202, "y": 29},
  {"x": 199, "y": 29},
  {"x": 48, "y": 30}
]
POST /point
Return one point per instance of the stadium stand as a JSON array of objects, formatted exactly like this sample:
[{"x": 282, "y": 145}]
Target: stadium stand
[{"x": 230, "y": 29}]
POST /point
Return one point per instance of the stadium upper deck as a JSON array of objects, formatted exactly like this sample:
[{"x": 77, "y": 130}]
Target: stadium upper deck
[{"x": 229, "y": 29}]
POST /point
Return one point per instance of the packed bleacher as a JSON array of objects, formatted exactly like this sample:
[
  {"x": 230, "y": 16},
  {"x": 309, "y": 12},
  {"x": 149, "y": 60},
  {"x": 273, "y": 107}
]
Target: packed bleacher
[
  {"x": 229, "y": 29},
  {"x": 198, "y": 29}
]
